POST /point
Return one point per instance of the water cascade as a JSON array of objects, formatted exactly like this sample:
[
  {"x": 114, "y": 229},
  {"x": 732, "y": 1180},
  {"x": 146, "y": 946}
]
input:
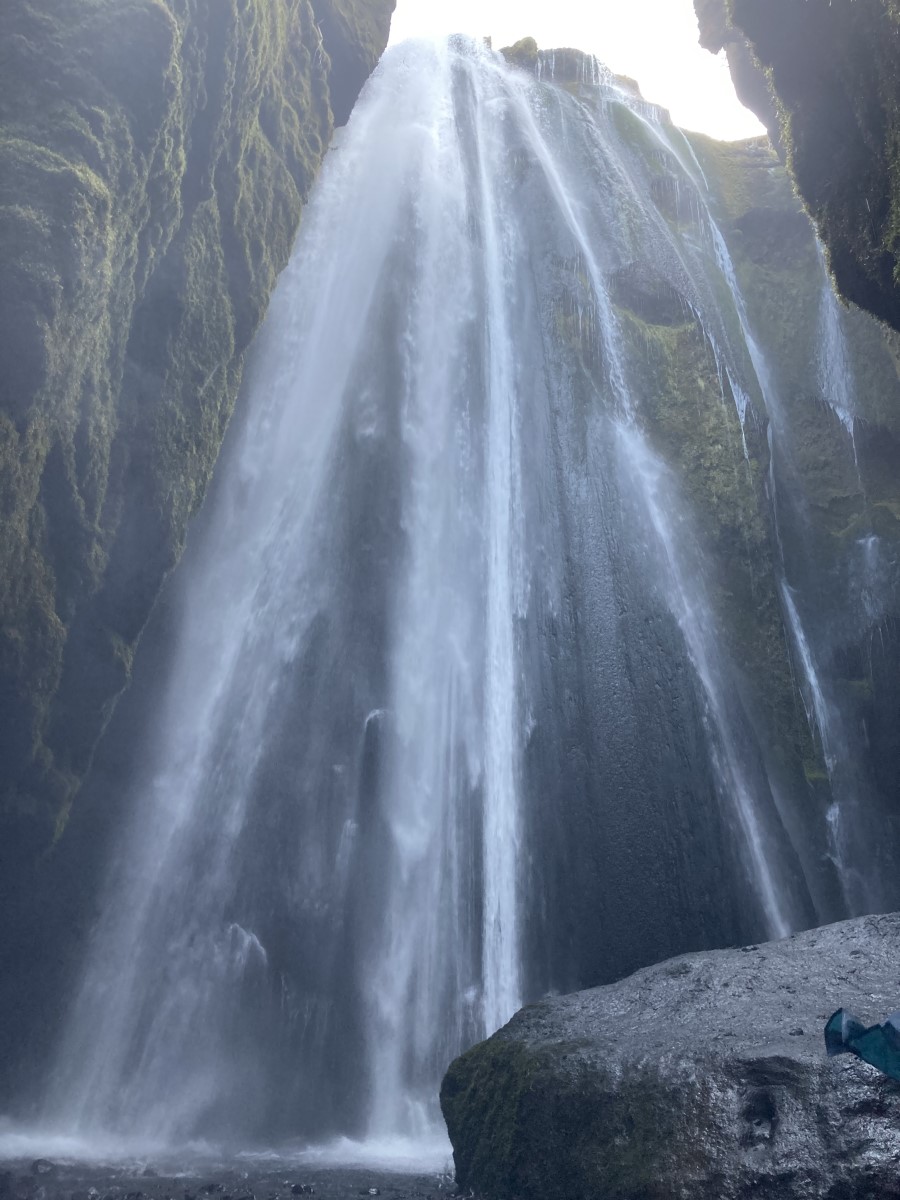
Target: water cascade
[{"x": 490, "y": 666}]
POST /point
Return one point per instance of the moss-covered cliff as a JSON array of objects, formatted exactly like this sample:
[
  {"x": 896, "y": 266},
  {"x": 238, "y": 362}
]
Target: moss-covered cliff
[
  {"x": 154, "y": 159},
  {"x": 835, "y": 71}
]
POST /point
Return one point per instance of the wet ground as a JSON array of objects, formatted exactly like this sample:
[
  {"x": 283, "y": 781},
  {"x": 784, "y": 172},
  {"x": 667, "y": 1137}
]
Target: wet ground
[{"x": 46, "y": 1179}]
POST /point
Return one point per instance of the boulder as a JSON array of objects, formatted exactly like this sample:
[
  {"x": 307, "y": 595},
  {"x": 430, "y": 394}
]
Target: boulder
[
  {"x": 703, "y": 1077},
  {"x": 155, "y": 161}
]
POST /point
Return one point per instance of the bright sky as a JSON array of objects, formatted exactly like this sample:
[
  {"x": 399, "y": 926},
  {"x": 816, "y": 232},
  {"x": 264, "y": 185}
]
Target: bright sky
[{"x": 653, "y": 41}]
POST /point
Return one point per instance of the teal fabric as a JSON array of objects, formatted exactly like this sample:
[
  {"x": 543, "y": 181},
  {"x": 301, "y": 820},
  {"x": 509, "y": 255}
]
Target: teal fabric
[{"x": 879, "y": 1045}]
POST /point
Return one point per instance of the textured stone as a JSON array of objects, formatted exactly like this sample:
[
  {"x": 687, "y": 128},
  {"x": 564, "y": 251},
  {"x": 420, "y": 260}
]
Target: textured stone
[{"x": 702, "y": 1077}]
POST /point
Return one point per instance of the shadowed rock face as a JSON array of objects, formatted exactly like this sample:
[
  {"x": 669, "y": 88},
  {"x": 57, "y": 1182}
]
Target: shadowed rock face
[
  {"x": 705, "y": 1076},
  {"x": 833, "y": 68},
  {"x": 717, "y": 33},
  {"x": 154, "y": 161}
]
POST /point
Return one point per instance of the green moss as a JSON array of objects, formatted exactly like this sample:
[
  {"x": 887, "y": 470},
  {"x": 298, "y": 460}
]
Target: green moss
[
  {"x": 693, "y": 424},
  {"x": 548, "y": 1121},
  {"x": 638, "y": 135},
  {"x": 815, "y": 773},
  {"x": 862, "y": 689},
  {"x": 481, "y": 1098},
  {"x": 781, "y": 280},
  {"x": 523, "y": 53}
]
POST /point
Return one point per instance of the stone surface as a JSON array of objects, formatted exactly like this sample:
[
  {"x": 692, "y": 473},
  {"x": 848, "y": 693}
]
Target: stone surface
[{"x": 705, "y": 1076}]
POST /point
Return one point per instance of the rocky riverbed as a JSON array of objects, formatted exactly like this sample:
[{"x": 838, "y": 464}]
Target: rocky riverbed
[{"x": 255, "y": 1179}]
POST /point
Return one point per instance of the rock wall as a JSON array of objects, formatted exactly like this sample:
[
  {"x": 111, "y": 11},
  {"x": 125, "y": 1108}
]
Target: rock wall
[
  {"x": 154, "y": 159},
  {"x": 716, "y": 34},
  {"x": 834, "y": 71}
]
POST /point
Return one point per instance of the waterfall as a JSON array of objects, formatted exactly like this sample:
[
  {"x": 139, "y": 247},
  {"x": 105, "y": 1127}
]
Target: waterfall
[{"x": 463, "y": 704}]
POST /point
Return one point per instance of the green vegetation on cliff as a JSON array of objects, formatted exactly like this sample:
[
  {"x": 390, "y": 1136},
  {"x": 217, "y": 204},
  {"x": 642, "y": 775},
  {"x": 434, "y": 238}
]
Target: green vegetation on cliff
[
  {"x": 826, "y": 466},
  {"x": 154, "y": 159}
]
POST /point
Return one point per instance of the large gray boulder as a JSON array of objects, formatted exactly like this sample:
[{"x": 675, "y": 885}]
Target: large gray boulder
[{"x": 702, "y": 1077}]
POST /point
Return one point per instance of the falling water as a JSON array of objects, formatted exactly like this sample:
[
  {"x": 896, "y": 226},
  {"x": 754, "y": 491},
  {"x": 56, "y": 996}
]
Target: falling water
[
  {"x": 835, "y": 371},
  {"x": 451, "y": 717}
]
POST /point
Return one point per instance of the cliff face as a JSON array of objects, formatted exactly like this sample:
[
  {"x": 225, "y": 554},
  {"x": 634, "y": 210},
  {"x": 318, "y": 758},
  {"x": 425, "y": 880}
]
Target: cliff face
[
  {"x": 835, "y": 70},
  {"x": 154, "y": 159},
  {"x": 717, "y": 33}
]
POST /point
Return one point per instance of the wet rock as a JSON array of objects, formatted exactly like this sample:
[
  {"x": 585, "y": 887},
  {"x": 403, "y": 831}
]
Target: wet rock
[
  {"x": 97, "y": 282},
  {"x": 833, "y": 69},
  {"x": 523, "y": 54},
  {"x": 648, "y": 295},
  {"x": 302, "y": 1189},
  {"x": 44, "y": 1168},
  {"x": 703, "y": 1077}
]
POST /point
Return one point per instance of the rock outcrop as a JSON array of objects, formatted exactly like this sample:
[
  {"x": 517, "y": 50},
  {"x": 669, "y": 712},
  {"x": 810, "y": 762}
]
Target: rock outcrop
[
  {"x": 704, "y": 1076},
  {"x": 716, "y": 34},
  {"x": 833, "y": 69},
  {"x": 154, "y": 159}
]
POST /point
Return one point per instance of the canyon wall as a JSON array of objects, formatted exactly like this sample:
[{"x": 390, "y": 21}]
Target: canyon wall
[
  {"x": 831, "y": 72},
  {"x": 155, "y": 156}
]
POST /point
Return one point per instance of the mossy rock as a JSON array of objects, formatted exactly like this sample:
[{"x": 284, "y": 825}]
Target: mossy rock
[
  {"x": 649, "y": 296},
  {"x": 523, "y": 53},
  {"x": 154, "y": 160},
  {"x": 692, "y": 421}
]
